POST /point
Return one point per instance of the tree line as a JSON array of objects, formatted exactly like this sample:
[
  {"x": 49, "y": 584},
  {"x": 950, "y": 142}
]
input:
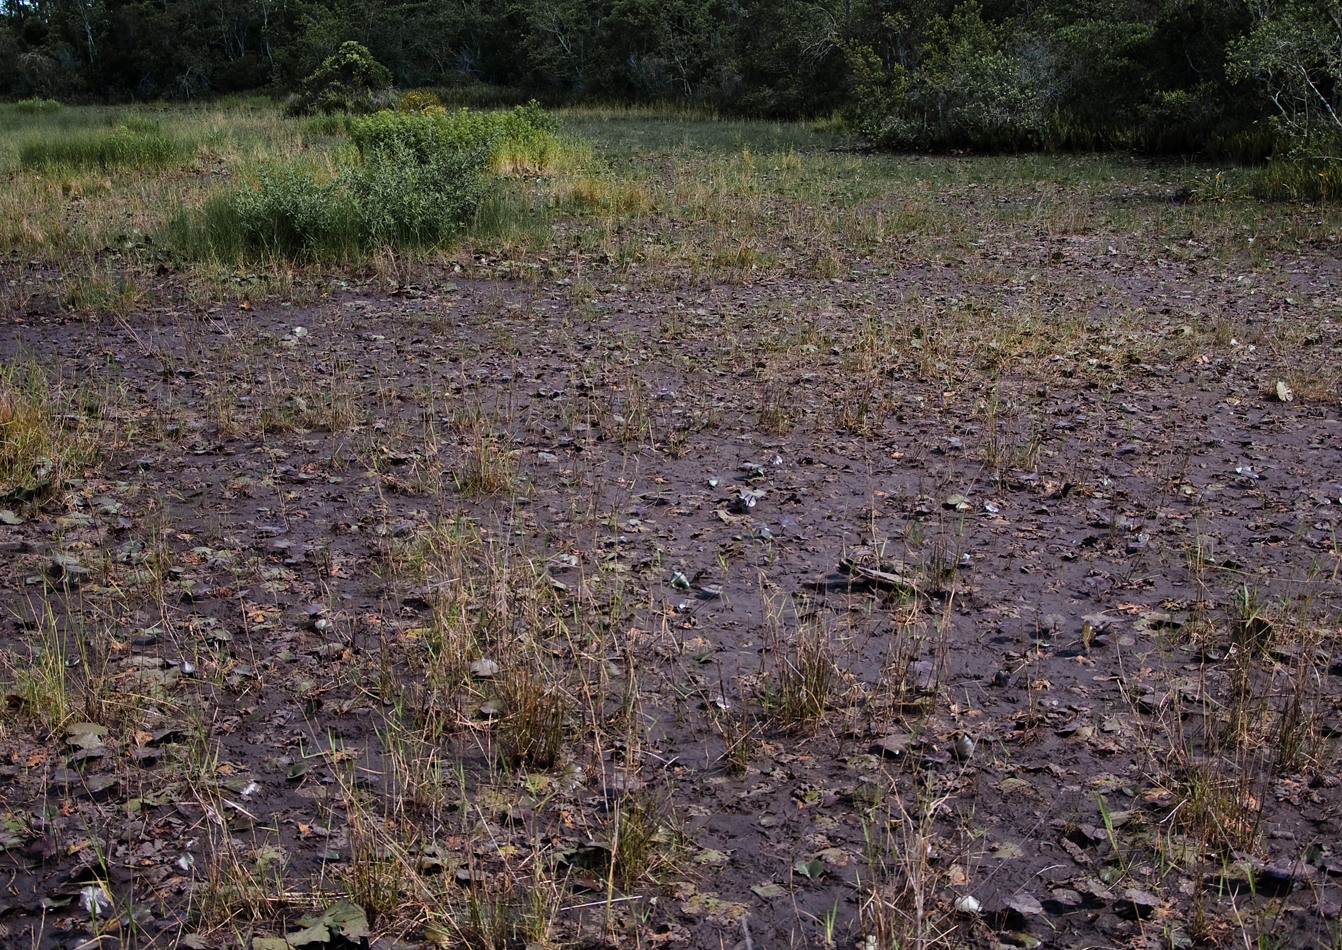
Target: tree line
[{"x": 1245, "y": 78}]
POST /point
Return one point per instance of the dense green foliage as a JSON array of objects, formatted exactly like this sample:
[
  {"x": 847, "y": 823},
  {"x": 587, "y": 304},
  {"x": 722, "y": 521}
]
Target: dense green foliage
[
  {"x": 1162, "y": 75},
  {"x": 349, "y": 80}
]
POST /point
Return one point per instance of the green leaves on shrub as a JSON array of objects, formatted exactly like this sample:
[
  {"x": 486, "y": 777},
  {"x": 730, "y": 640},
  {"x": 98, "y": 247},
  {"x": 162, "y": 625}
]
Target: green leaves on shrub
[
  {"x": 350, "y": 80},
  {"x": 416, "y": 201},
  {"x": 292, "y": 211},
  {"x": 414, "y": 179},
  {"x": 295, "y": 211},
  {"x": 979, "y": 84}
]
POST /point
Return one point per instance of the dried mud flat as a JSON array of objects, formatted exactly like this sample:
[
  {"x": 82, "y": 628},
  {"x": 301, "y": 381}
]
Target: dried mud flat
[{"x": 514, "y": 612}]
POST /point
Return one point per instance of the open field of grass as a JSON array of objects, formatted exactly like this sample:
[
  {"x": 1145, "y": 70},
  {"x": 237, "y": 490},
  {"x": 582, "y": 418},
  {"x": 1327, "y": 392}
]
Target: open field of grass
[{"x": 725, "y": 541}]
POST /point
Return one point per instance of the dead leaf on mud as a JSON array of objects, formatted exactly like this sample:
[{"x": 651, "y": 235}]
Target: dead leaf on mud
[
  {"x": 1025, "y": 904},
  {"x": 715, "y": 909},
  {"x": 1019, "y": 785},
  {"x": 1006, "y": 850},
  {"x": 484, "y": 669},
  {"x": 341, "y": 919},
  {"x": 812, "y": 869}
]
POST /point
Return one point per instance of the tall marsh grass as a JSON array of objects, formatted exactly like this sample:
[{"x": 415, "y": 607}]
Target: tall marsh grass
[
  {"x": 37, "y": 106},
  {"x": 138, "y": 144},
  {"x": 1301, "y": 180}
]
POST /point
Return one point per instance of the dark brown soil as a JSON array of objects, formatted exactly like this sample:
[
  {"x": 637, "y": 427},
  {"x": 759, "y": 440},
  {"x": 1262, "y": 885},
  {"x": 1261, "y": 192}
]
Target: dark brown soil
[{"x": 1130, "y": 608}]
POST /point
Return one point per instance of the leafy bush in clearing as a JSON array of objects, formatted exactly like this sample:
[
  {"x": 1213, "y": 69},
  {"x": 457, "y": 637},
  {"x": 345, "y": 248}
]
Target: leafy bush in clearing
[
  {"x": 978, "y": 85},
  {"x": 350, "y": 80},
  {"x": 290, "y": 211},
  {"x": 415, "y": 203},
  {"x": 413, "y": 179}
]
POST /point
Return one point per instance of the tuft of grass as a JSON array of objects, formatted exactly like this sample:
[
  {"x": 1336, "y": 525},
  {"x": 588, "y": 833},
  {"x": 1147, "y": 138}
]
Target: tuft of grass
[
  {"x": 42, "y": 438},
  {"x": 535, "y": 718},
  {"x": 41, "y": 680},
  {"x": 1302, "y": 180},
  {"x": 486, "y": 467},
  {"x": 325, "y": 124},
  {"x": 103, "y": 290},
  {"x": 641, "y": 844},
  {"x": 740, "y": 737},
  {"x": 806, "y": 677},
  {"x": 898, "y": 905}
]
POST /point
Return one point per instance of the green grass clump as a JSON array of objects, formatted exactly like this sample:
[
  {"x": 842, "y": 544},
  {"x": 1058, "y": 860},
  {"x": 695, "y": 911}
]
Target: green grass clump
[
  {"x": 521, "y": 140},
  {"x": 138, "y": 144},
  {"x": 325, "y": 124},
  {"x": 298, "y": 209},
  {"x": 41, "y": 441},
  {"x": 1302, "y": 180},
  {"x": 37, "y": 106}
]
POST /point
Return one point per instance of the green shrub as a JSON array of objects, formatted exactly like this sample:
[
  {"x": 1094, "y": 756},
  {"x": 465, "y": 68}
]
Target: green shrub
[
  {"x": 35, "y": 106},
  {"x": 413, "y": 179},
  {"x": 415, "y": 202},
  {"x": 137, "y": 144},
  {"x": 417, "y": 136},
  {"x": 351, "y": 80},
  {"x": 292, "y": 211}
]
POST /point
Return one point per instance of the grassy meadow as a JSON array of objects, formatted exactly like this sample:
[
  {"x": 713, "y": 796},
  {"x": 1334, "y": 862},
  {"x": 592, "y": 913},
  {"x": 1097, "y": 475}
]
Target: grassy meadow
[{"x": 665, "y": 191}]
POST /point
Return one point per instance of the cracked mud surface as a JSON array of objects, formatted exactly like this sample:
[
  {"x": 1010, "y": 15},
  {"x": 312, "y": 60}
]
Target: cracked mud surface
[{"x": 1123, "y": 543}]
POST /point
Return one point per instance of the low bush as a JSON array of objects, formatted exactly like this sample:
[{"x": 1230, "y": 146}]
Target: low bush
[
  {"x": 414, "y": 178},
  {"x": 408, "y": 201},
  {"x": 291, "y": 210}
]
